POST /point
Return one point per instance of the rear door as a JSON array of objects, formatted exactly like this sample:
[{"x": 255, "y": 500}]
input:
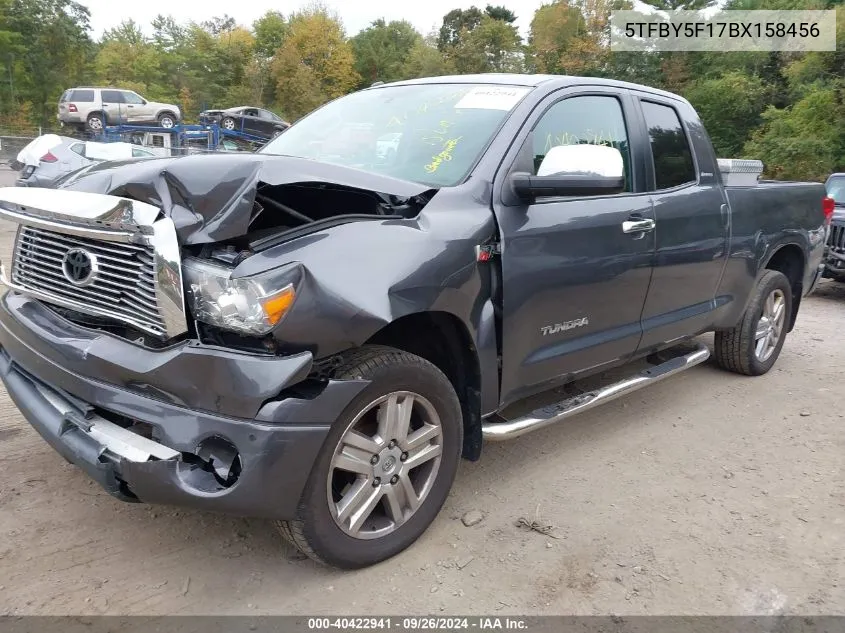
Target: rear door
[
  {"x": 114, "y": 107},
  {"x": 251, "y": 122},
  {"x": 574, "y": 282},
  {"x": 692, "y": 223}
]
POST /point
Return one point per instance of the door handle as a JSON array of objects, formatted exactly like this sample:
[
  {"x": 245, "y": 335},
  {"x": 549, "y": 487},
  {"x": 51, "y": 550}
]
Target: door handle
[{"x": 638, "y": 226}]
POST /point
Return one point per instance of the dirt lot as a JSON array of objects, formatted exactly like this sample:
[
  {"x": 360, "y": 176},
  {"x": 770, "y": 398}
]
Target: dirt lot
[{"x": 708, "y": 494}]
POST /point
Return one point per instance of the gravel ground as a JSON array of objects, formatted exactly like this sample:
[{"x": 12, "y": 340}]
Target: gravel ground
[{"x": 709, "y": 493}]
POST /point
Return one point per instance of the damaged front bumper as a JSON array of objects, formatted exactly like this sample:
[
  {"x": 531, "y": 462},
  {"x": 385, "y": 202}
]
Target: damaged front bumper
[{"x": 147, "y": 425}]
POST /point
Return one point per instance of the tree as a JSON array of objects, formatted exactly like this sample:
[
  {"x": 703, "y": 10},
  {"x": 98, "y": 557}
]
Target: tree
[
  {"x": 49, "y": 51},
  {"x": 500, "y": 13},
  {"x": 381, "y": 50},
  {"x": 500, "y": 43},
  {"x": 270, "y": 30},
  {"x": 126, "y": 60},
  {"x": 477, "y": 42},
  {"x": 805, "y": 141},
  {"x": 730, "y": 107},
  {"x": 314, "y": 64},
  {"x": 554, "y": 27},
  {"x": 680, "y": 5},
  {"x": 456, "y": 24},
  {"x": 218, "y": 25},
  {"x": 426, "y": 60}
]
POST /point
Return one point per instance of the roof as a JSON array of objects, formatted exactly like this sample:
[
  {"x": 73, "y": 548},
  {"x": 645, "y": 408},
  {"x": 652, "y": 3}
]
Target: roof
[{"x": 532, "y": 81}]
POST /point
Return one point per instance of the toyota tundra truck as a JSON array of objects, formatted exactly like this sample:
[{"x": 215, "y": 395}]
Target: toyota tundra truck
[{"x": 318, "y": 332}]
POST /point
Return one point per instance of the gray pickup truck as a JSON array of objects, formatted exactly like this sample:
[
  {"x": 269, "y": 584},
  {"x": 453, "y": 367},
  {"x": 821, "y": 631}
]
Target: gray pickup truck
[{"x": 317, "y": 333}]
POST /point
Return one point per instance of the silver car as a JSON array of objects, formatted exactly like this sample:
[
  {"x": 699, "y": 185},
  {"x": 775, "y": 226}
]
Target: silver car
[
  {"x": 49, "y": 157},
  {"x": 94, "y": 108}
]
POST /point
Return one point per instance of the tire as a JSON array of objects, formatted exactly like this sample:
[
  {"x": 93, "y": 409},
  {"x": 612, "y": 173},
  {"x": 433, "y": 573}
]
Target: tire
[
  {"x": 737, "y": 349},
  {"x": 397, "y": 379},
  {"x": 166, "y": 120},
  {"x": 95, "y": 122},
  {"x": 228, "y": 123}
]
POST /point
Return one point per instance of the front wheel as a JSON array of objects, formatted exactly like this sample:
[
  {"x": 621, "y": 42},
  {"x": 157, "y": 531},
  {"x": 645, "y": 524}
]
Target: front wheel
[
  {"x": 387, "y": 465},
  {"x": 167, "y": 120},
  {"x": 753, "y": 346}
]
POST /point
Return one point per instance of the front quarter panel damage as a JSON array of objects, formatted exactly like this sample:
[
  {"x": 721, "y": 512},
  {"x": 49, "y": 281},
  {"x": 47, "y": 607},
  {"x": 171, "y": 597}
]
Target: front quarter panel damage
[{"x": 358, "y": 277}]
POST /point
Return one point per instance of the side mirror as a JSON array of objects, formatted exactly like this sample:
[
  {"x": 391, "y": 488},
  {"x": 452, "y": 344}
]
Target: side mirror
[{"x": 574, "y": 170}]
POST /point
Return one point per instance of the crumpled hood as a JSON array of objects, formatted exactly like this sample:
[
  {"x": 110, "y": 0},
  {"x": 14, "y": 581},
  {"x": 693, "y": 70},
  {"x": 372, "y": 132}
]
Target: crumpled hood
[{"x": 210, "y": 197}]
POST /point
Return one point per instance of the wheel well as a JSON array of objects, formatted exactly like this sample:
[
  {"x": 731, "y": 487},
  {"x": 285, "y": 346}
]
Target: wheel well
[
  {"x": 166, "y": 112},
  {"x": 443, "y": 340},
  {"x": 789, "y": 260}
]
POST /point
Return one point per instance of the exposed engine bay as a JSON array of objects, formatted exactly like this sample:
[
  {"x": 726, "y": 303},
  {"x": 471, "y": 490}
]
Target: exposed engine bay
[{"x": 282, "y": 211}]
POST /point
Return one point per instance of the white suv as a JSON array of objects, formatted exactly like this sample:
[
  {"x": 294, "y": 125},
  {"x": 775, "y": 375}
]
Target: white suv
[{"x": 95, "y": 108}]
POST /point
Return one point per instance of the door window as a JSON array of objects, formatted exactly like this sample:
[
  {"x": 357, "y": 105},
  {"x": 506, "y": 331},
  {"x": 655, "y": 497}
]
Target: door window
[
  {"x": 132, "y": 98},
  {"x": 112, "y": 96},
  {"x": 265, "y": 115},
  {"x": 595, "y": 120},
  {"x": 673, "y": 164}
]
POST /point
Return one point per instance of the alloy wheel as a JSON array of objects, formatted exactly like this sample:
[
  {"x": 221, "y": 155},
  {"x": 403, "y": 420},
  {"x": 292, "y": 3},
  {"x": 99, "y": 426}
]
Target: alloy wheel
[
  {"x": 770, "y": 326},
  {"x": 384, "y": 465}
]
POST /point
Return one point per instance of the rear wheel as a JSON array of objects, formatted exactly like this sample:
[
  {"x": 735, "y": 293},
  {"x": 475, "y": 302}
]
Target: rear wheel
[
  {"x": 387, "y": 465},
  {"x": 95, "y": 122},
  {"x": 753, "y": 346}
]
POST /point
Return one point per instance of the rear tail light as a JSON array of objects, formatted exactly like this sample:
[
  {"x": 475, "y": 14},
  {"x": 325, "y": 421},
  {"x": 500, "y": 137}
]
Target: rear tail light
[
  {"x": 48, "y": 158},
  {"x": 827, "y": 206},
  {"x": 72, "y": 108}
]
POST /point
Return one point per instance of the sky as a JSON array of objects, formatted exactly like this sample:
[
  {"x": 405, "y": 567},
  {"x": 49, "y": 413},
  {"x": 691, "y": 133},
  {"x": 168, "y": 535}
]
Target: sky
[{"x": 425, "y": 15}]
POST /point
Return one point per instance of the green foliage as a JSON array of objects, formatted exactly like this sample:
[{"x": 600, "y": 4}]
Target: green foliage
[
  {"x": 805, "y": 141},
  {"x": 426, "y": 60},
  {"x": 476, "y": 42},
  {"x": 730, "y": 107},
  {"x": 784, "y": 108},
  {"x": 270, "y": 30},
  {"x": 314, "y": 64},
  {"x": 381, "y": 50},
  {"x": 44, "y": 43}
]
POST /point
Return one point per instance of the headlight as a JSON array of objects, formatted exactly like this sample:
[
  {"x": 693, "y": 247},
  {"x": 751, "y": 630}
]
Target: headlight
[{"x": 250, "y": 305}]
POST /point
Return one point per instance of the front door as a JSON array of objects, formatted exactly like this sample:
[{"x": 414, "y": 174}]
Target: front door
[
  {"x": 137, "y": 109},
  {"x": 574, "y": 282},
  {"x": 692, "y": 226}
]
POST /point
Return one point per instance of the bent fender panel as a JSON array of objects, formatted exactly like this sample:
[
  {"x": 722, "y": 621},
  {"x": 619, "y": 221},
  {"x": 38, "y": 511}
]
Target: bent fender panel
[{"x": 356, "y": 278}]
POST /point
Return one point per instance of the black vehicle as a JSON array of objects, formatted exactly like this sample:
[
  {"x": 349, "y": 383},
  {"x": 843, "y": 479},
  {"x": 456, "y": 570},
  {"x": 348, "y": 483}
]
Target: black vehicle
[
  {"x": 317, "y": 332},
  {"x": 255, "y": 121},
  {"x": 835, "y": 252}
]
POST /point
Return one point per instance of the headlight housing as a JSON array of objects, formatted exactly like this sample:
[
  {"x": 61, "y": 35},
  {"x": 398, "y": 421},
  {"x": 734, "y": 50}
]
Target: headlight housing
[{"x": 248, "y": 305}]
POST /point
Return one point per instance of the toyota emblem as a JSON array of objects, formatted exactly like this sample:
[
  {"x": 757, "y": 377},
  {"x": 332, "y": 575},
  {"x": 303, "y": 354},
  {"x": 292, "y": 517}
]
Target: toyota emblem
[{"x": 80, "y": 267}]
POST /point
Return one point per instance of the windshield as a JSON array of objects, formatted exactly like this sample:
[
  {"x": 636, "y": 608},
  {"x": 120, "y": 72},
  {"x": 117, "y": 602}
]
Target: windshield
[
  {"x": 429, "y": 133},
  {"x": 836, "y": 189}
]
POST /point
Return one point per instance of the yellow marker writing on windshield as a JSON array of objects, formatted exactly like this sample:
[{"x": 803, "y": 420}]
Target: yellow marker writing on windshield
[{"x": 444, "y": 156}]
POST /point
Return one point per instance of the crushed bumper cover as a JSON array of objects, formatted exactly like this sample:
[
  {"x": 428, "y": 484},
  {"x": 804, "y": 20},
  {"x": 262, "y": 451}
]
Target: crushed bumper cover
[{"x": 47, "y": 364}]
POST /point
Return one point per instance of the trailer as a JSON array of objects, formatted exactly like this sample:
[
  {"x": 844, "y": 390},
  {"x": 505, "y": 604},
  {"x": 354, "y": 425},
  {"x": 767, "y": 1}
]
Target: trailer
[{"x": 181, "y": 138}]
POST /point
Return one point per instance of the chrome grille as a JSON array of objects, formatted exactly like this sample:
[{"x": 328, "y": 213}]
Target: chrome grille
[
  {"x": 836, "y": 238},
  {"x": 123, "y": 288}
]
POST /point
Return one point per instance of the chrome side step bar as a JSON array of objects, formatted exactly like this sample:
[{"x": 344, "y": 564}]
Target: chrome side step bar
[{"x": 545, "y": 416}]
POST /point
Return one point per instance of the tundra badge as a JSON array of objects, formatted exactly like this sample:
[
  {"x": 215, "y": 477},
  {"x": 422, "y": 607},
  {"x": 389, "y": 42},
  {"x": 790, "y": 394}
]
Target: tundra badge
[{"x": 566, "y": 325}]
